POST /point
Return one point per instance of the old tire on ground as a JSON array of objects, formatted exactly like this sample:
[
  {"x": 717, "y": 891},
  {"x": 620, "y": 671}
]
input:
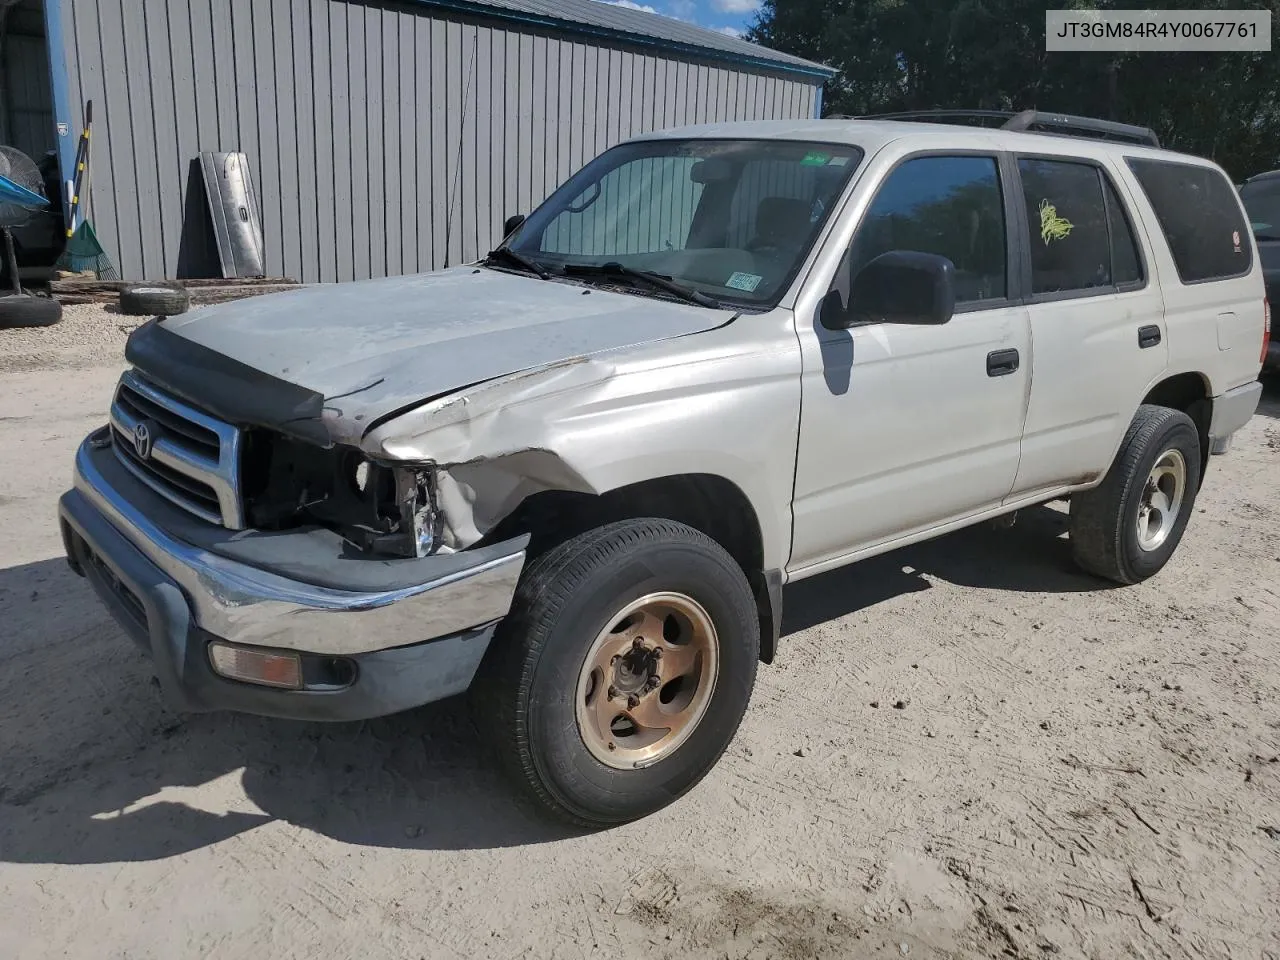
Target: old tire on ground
[
  {"x": 151, "y": 301},
  {"x": 1126, "y": 528},
  {"x": 26, "y": 311},
  {"x": 588, "y": 720}
]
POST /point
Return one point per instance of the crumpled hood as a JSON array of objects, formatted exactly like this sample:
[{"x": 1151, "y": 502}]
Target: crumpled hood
[{"x": 380, "y": 346}]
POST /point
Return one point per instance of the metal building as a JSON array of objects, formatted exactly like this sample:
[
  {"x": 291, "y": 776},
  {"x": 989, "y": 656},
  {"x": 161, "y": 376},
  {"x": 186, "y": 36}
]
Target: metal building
[{"x": 384, "y": 136}]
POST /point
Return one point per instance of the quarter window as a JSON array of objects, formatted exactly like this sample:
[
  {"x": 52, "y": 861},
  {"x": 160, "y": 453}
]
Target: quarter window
[
  {"x": 1200, "y": 217},
  {"x": 1126, "y": 266},
  {"x": 950, "y": 206}
]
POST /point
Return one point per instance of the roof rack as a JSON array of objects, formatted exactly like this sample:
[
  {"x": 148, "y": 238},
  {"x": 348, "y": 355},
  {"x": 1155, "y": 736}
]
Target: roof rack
[{"x": 1032, "y": 121}]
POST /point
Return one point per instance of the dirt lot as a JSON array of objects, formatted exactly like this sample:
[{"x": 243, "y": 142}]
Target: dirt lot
[{"x": 966, "y": 749}]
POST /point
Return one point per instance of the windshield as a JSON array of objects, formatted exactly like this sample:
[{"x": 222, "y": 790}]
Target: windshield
[
  {"x": 1262, "y": 201},
  {"x": 728, "y": 219}
]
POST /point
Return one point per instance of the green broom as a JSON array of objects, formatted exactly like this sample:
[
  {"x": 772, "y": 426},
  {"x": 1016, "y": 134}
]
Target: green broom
[{"x": 83, "y": 253}]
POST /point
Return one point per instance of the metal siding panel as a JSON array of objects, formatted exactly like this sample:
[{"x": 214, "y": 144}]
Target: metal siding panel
[
  {"x": 538, "y": 135},
  {"x": 439, "y": 143},
  {"x": 406, "y": 171},
  {"x": 465, "y": 217},
  {"x": 660, "y": 72},
  {"x": 671, "y": 69},
  {"x": 266, "y": 163},
  {"x": 359, "y": 124},
  {"x": 340, "y": 117},
  {"x": 487, "y": 221},
  {"x": 511, "y": 202},
  {"x": 626, "y": 89},
  {"x": 565, "y": 115},
  {"x": 423, "y": 101},
  {"x": 498, "y": 144},
  {"x": 224, "y": 52},
  {"x": 168, "y": 151},
  {"x": 375, "y": 141},
  {"x": 283, "y": 29},
  {"x": 453, "y": 122},
  {"x": 326, "y": 267},
  {"x": 614, "y": 133},
  {"x": 572, "y": 110},
  {"x": 590, "y": 105},
  {"x": 239, "y": 14},
  {"x": 304, "y": 119},
  {"x": 113, "y": 136},
  {"x": 554, "y": 126},
  {"x": 524, "y": 86},
  {"x": 391, "y": 180}
]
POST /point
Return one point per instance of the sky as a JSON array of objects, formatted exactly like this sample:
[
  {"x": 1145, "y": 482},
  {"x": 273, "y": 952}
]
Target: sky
[{"x": 727, "y": 16}]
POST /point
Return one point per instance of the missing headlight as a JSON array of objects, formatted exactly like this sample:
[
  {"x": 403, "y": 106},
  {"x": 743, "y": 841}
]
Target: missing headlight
[
  {"x": 408, "y": 521},
  {"x": 418, "y": 514},
  {"x": 382, "y": 509}
]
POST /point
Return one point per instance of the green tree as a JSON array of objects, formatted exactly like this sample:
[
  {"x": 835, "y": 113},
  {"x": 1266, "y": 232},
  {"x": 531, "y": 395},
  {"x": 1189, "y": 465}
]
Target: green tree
[{"x": 989, "y": 54}]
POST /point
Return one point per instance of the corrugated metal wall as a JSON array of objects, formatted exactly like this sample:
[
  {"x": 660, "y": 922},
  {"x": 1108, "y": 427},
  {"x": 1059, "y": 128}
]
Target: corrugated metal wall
[{"x": 382, "y": 140}]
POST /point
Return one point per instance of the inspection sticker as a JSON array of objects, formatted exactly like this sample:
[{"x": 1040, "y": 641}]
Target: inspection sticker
[{"x": 744, "y": 281}]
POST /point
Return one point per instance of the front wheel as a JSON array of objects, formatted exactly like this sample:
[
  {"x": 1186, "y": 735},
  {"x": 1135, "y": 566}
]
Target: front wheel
[
  {"x": 622, "y": 672},
  {"x": 1127, "y": 528}
]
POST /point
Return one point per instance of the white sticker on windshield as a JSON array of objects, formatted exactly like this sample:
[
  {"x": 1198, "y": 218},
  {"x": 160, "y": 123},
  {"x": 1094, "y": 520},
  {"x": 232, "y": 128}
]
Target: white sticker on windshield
[{"x": 744, "y": 281}]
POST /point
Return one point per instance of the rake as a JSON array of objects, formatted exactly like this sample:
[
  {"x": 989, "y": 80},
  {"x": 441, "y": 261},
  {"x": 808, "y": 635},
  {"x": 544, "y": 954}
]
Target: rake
[{"x": 83, "y": 253}]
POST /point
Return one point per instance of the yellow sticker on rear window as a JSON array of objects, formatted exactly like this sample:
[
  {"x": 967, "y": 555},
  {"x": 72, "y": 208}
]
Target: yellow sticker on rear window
[{"x": 1052, "y": 226}]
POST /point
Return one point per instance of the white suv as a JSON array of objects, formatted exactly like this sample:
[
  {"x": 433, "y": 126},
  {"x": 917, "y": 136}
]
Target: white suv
[{"x": 575, "y": 477}]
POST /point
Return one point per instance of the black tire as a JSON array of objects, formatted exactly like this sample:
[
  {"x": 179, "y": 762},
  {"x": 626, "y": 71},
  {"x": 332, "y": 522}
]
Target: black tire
[
  {"x": 525, "y": 692},
  {"x": 1104, "y": 520},
  {"x": 151, "y": 301},
  {"x": 25, "y": 311}
]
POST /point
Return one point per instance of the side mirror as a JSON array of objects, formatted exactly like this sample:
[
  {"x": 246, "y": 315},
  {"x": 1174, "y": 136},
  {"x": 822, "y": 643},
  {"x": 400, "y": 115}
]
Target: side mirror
[
  {"x": 901, "y": 286},
  {"x": 512, "y": 224}
]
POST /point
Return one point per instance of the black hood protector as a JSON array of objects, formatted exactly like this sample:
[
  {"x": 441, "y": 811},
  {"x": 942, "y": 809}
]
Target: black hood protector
[{"x": 226, "y": 388}]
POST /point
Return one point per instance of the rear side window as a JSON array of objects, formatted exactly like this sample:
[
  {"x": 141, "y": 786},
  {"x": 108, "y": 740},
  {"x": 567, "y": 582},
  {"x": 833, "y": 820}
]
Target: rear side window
[
  {"x": 1200, "y": 217},
  {"x": 1069, "y": 223}
]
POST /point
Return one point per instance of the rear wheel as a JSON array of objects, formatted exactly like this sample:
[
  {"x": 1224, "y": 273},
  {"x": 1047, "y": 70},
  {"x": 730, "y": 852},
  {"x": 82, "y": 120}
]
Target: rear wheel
[
  {"x": 622, "y": 672},
  {"x": 1127, "y": 528}
]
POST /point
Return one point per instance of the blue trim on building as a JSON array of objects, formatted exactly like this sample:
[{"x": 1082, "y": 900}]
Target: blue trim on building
[
  {"x": 817, "y": 104},
  {"x": 640, "y": 39},
  {"x": 60, "y": 83}
]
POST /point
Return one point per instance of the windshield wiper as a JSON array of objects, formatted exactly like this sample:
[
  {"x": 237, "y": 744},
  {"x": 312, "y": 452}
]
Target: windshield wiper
[
  {"x": 517, "y": 259},
  {"x": 655, "y": 280}
]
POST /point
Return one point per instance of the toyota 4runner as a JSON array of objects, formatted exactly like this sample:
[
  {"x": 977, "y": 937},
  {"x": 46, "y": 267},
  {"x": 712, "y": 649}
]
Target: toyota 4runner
[{"x": 573, "y": 478}]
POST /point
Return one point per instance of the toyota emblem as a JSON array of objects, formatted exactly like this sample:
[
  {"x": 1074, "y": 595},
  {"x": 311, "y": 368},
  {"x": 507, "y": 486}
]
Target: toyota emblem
[{"x": 143, "y": 440}]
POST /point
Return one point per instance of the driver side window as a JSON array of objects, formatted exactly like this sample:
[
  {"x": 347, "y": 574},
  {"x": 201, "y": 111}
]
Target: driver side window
[{"x": 950, "y": 206}]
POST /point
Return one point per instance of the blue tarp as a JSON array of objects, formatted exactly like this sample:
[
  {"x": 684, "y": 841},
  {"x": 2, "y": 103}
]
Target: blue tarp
[{"x": 11, "y": 192}]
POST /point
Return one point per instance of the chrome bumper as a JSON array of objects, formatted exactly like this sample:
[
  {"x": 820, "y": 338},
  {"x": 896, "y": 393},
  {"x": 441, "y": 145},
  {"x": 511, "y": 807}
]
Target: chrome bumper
[{"x": 249, "y": 605}]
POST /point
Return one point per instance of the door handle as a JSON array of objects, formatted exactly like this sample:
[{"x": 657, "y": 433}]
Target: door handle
[
  {"x": 1001, "y": 363},
  {"x": 1148, "y": 336}
]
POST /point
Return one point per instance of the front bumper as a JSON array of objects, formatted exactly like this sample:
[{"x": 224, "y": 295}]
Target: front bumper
[{"x": 391, "y": 645}]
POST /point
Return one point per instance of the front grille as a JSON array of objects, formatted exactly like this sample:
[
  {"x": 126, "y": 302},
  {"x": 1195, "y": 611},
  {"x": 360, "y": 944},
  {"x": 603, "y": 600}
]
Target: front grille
[{"x": 185, "y": 455}]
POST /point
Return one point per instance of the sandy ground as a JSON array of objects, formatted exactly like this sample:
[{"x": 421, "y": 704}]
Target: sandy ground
[{"x": 966, "y": 749}]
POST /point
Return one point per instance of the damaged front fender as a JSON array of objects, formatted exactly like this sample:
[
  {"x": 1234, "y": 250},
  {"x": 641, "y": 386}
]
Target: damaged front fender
[{"x": 720, "y": 404}]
